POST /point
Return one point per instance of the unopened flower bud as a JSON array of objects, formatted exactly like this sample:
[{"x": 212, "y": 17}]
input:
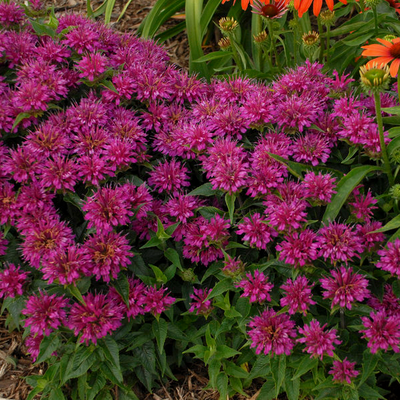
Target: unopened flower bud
[
  {"x": 374, "y": 77},
  {"x": 389, "y": 38},
  {"x": 371, "y": 3},
  {"x": 310, "y": 44},
  {"x": 327, "y": 17},
  {"x": 224, "y": 43},
  {"x": 187, "y": 275},
  {"x": 261, "y": 37},
  {"x": 395, "y": 192},
  {"x": 395, "y": 156},
  {"x": 227, "y": 24}
]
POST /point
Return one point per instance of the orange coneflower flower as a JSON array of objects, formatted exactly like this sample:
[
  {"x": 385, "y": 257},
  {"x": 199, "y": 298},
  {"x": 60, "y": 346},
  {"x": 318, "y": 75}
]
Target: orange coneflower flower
[
  {"x": 303, "y": 5},
  {"x": 386, "y": 52},
  {"x": 245, "y": 3}
]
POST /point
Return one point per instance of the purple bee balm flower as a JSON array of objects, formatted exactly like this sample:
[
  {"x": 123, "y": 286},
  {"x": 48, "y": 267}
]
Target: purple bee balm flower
[
  {"x": 343, "y": 371},
  {"x": 272, "y": 333},
  {"x": 256, "y": 287},
  {"x": 45, "y": 239},
  {"x": 382, "y": 331},
  {"x": 339, "y": 243},
  {"x": 32, "y": 96},
  {"x": 181, "y": 207},
  {"x": 298, "y": 295},
  {"x": 200, "y": 304},
  {"x": 32, "y": 343},
  {"x": 136, "y": 298},
  {"x": 299, "y": 249},
  {"x": 107, "y": 208},
  {"x": 157, "y": 301},
  {"x": 8, "y": 206},
  {"x": 345, "y": 287},
  {"x": 92, "y": 66},
  {"x": 370, "y": 239},
  {"x": 362, "y": 206},
  {"x": 64, "y": 267},
  {"x": 96, "y": 318},
  {"x": 59, "y": 173},
  {"x": 390, "y": 302},
  {"x": 169, "y": 176},
  {"x": 226, "y": 165},
  {"x": 11, "y": 14},
  {"x": 95, "y": 168},
  {"x": 45, "y": 313},
  {"x": 83, "y": 37},
  {"x": 105, "y": 254},
  {"x": 318, "y": 342},
  {"x": 319, "y": 188},
  {"x": 12, "y": 279},
  {"x": 345, "y": 106},
  {"x": 256, "y": 231},
  {"x": 233, "y": 267},
  {"x": 390, "y": 258},
  {"x": 311, "y": 148}
]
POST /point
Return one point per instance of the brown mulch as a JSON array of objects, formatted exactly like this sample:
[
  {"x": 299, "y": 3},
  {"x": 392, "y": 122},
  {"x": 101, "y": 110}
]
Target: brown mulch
[{"x": 14, "y": 364}]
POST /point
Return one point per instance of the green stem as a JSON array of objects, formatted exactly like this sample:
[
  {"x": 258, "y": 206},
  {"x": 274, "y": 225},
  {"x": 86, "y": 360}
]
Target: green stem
[
  {"x": 320, "y": 31},
  {"x": 362, "y": 5},
  {"x": 328, "y": 32},
  {"x": 342, "y": 319},
  {"x": 376, "y": 20},
  {"x": 273, "y": 44},
  {"x": 234, "y": 52},
  {"x": 385, "y": 157}
]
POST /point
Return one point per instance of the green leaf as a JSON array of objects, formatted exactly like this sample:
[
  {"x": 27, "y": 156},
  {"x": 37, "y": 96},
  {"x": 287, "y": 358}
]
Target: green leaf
[
  {"x": 220, "y": 288},
  {"x": 222, "y": 385},
  {"x": 160, "y": 329},
  {"x": 42, "y": 29},
  {"x": 153, "y": 242},
  {"x": 278, "y": 368},
  {"x": 56, "y": 394},
  {"x": 173, "y": 256},
  {"x": 369, "y": 393},
  {"x": 208, "y": 14},
  {"x": 109, "y": 8},
  {"x": 392, "y": 224},
  {"x": 108, "y": 84},
  {"x": 19, "y": 118},
  {"x": 233, "y": 370},
  {"x": 79, "y": 364},
  {"x": 198, "y": 350},
  {"x": 292, "y": 386},
  {"x": 267, "y": 391},
  {"x": 98, "y": 384},
  {"x": 230, "y": 203},
  {"x": 161, "y": 234},
  {"x": 223, "y": 351},
  {"x": 170, "y": 33},
  {"x": 203, "y": 190},
  {"x": 160, "y": 276},
  {"x": 306, "y": 365},
  {"x": 122, "y": 287},
  {"x": 358, "y": 39},
  {"x": 111, "y": 373},
  {"x": 48, "y": 346},
  {"x": 215, "y": 55},
  {"x": 345, "y": 186},
  {"x": 146, "y": 355},
  {"x": 111, "y": 350},
  {"x": 369, "y": 364},
  {"x": 392, "y": 110}
]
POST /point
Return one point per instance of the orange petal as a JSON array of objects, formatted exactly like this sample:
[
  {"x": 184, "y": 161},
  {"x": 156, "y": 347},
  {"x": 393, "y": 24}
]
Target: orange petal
[
  {"x": 394, "y": 68},
  {"x": 379, "y": 61},
  {"x": 386, "y": 43},
  {"x": 317, "y": 7},
  {"x": 375, "y": 50},
  {"x": 329, "y": 3}
]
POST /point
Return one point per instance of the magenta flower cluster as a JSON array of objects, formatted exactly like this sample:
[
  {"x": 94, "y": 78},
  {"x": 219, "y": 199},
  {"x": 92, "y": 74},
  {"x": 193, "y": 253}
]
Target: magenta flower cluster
[{"x": 125, "y": 154}]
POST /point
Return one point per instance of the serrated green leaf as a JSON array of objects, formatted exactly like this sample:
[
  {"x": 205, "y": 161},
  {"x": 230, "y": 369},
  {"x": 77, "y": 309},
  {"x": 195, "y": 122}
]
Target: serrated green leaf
[
  {"x": 56, "y": 394},
  {"x": 122, "y": 287},
  {"x": 220, "y": 288},
  {"x": 370, "y": 362},
  {"x": 278, "y": 369},
  {"x": 20, "y": 117},
  {"x": 173, "y": 256},
  {"x": 109, "y": 85},
  {"x": 160, "y": 276},
  {"x": 48, "y": 346},
  {"x": 267, "y": 391},
  {"x": 111, "y": 372},
  {"x": 203, "y": 190},
  {"x": 230, "y": 203},
  {"x": 42, "y": 29},
  {"x": 222, "y": 385},
  {"x": 343, "y": 189},
  {"x": 223, "y": 351},
  {"x": 160, "y": 329},
  {"x": 98, "y": 384},
  {"x": 367, "y": 392},
  {"x": 153, "y": 242},
  {"x": 111, "y": 350},
  {"x": 305, "y": 365},
  {"x": 292, "y": 386}
]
